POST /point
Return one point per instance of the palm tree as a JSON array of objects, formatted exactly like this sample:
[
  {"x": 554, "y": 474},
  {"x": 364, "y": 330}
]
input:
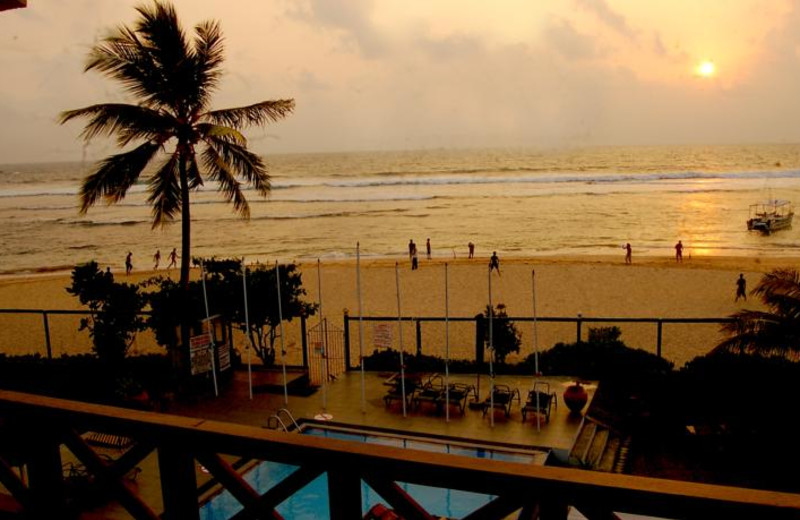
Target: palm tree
[
  {"x": 775, "y": 332},
  {"x": 172, "y": 78}
]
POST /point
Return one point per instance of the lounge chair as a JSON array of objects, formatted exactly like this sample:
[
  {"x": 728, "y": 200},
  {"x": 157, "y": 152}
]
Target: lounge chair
[
  {"x": 457, "y": 395},
  {"x": 432, "y": 391},
  {"x": 543, "y": 405},
  {"x": 502, "y": 397},
  {"x": 395, "y": 392}
]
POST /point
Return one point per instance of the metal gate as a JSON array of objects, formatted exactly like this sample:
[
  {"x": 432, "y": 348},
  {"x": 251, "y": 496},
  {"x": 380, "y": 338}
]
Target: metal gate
[{"x": 326, "y": 356}]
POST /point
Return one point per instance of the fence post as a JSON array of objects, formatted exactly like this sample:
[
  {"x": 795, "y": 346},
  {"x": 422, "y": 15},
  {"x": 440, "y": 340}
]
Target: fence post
[
  {"x": 658, "y": 338},
  {"x": 344, "y": 494},
  {"x": 579, "y": 323},
  {"x": 178, "y": 482},
  {"x": 419, "y": 338},
  {"x": 347, "y": 340},
  {"x": 47, "y": 335},
  {"x": 304, "y": 340}
]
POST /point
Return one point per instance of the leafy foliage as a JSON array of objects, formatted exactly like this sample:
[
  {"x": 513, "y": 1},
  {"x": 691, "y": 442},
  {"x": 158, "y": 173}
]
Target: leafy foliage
[
  {"x": 775, "y": 332},
  {"x": 115, "y": 311},
  {"x": 505, "y": 338}
]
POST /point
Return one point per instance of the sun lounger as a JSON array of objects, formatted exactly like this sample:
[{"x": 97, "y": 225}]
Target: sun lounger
[
  {"x": 503, "y": 397},
  {"x": 396, "y": 388},
  {"x": 543, "y": 405},
  {"x": 432, "y": 391},
  {"x": 457, "y": 395}
]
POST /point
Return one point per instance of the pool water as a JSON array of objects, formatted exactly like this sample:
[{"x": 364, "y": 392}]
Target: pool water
[{"x": 311, "y": 502}]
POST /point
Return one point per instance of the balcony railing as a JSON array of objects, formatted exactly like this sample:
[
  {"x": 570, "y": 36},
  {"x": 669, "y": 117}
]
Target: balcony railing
[{"x": 34, "y": 429}]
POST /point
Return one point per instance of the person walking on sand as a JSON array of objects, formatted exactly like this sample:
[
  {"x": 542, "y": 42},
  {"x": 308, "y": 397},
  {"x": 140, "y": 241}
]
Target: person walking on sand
[
  {"x": 414, "y": 261},
  {"x": 157, "y": 259},
  {"x": 494, "y": 262},
  {"x": 173, "y": 258},
  {"x": 628, "y": 253},
  {"x": 412, "y": 248},
  {"x": 129, "y": 263},
  {"x": 679, "y": 252},
  {"x": 471, "y": 247},
  {"x": 428, "y": 248},
  {"x": 741, "y": 288}
]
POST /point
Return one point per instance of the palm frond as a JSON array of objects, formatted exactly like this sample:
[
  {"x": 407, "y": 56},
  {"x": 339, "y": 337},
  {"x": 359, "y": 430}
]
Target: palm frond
[
  {"x": 208, "y": 53},
  {"x": 128, "y": 122},
  {"x": 193, "y": 172},
  {"x": 242, "y": 162},
  {"x": 257, "y": 114},
  {"x": 219, "y": 170},
  {"x": 165, "y": 191},
  {"x": 115, "y": 175},
  {"x": 225, "y": 133}
]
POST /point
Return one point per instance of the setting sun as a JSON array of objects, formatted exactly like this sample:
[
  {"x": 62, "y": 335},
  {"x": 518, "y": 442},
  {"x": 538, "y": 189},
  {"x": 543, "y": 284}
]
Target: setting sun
[{"x": 706, "y": 69}]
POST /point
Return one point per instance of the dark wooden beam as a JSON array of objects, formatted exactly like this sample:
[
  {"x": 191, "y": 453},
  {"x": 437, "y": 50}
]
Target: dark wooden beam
[
  {"x": 12, "y": 4},
  {"x": 401, "y": 501}
]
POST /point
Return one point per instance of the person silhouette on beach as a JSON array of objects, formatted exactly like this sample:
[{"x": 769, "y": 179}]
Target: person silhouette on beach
[
  {"x": 471, "y": 247},
  {"x": 679, "y": 252},
  {"x": 428, "y": 248},
  {"x": 414, "y": 261},
  {"x": 412, "y": 248},
  {"x": 741, "y": 288},
  {"x": 157, "y": 259},
  {"x": 494, "y": 262},
  {"x": 129, "y": 263},
  {"x": 628, "y": 253},
  {"x": 173, "y": 259}
]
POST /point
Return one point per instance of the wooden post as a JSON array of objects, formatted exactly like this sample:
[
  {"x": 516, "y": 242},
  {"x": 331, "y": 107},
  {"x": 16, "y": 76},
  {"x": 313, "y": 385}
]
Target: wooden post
[
  {"x": 347, "y": 340},
  {"x": 178, "y": 482},
  {"x": 344, "y": 494},
  {"x": 419, "y": 338},
  {"x": 658, "y": 338},
  {"x": 579, "y": 323},
  {"x": 45, "y": 473},
  {"x": 47, "y": 335},
  {"x": 304, "y": 340}
]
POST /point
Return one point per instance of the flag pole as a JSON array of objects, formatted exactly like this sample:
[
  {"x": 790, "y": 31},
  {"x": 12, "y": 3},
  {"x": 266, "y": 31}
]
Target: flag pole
[
  {"x": 400, "y": 337},
  {"x": 491, "y": 352},
  {"x": 211, "y": 344},
  {"x": 446, "y": 348},
  {"x": 360, "y": 328},
  {"x": 247, "y": 328},
  {"x": 283, "y": 340},
  {"x": 324, "y": 326}
]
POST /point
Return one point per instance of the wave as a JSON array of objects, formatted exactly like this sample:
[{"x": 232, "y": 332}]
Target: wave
[{"x": 476, "y": 176}]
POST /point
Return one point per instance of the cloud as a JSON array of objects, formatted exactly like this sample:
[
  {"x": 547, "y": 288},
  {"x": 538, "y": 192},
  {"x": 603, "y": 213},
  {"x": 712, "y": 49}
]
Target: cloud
[
  {"x": 608, "y": 16},
  {"x": 352, "y": 17},
  {"x": 562, "y": 37}
]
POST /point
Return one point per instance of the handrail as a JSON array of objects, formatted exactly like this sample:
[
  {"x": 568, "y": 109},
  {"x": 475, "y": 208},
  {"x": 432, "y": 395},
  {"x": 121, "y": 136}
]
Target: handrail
[
  {"x": 277, "y": 417},
  {"x": 180, "y": 440}
]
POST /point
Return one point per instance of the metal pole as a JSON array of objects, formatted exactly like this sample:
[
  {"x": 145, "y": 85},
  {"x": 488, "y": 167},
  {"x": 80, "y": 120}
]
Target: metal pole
[
  {"x": 360, "y": 328},
  {"x": 491, "y": 353},
  {"x": 535, "y": 353},
  {"x": 247, "y": 327},
  {"x": 324, "y": 340},
  {"x": 211, "y": 345},
  {"x": 578, "y": 323},
  {"x": 400, "y": 337},
  {"x": 446, "y": 348},
  {"x": 283, "y": 339},
  {"x": 658, "y": 338}
]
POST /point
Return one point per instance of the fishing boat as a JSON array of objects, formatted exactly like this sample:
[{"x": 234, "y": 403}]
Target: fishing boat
[{"x": 770, "y": 215}]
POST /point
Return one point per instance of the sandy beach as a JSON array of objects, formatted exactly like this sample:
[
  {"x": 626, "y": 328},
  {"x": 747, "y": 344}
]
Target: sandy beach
[{"x": 700, "y": 287}]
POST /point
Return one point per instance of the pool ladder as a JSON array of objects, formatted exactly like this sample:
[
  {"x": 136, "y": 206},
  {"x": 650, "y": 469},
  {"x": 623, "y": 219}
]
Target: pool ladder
[{"x": 275, "y": 421}]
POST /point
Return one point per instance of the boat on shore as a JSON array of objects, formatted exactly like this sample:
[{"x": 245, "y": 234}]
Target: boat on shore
[{"x": 770, "y": 215}]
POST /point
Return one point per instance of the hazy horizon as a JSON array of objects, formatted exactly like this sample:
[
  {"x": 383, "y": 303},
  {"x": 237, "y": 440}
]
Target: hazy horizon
[{"x": 391, "y": 76}]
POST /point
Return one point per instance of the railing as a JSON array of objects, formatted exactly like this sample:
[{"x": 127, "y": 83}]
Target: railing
[
  {"x": 40, "y": 425},
  {"x": 578, "y": 320}
]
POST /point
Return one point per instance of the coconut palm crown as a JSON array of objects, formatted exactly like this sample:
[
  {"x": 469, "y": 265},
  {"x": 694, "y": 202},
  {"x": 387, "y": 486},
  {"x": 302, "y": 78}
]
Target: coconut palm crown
[
  {"x": 172, "y": 79},
  {"x": 774, "y": 332}
]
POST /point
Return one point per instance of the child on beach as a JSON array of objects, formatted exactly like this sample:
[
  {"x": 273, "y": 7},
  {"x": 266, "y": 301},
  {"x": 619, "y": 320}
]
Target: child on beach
[
  {"x": 628, "y": 253},
  {"x": 156, "y": 259},
  {"x": 414, "y": 261},
  {"x": 428, "y": 248},
  {"x": 741, "y": 288},
  {"x": 494, "y": 262},
  {"x": 129, "y": 263},
  {"x": 471, "y": 247},
  {"x": 679, "y": 252}
]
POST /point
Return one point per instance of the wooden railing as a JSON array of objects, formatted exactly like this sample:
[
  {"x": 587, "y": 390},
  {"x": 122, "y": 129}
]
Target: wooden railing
[{"x": 34, "y": 428}]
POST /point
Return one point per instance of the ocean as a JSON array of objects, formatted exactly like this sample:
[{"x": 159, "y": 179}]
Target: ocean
[{"x": 518, "y": 202}]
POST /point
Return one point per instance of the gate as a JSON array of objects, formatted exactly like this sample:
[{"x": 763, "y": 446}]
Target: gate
[{"x": 326, "y": 352}]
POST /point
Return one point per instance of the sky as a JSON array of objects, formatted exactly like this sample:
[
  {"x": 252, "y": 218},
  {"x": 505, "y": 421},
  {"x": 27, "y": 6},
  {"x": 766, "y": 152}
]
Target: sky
[{"x": 427, "y": 74}]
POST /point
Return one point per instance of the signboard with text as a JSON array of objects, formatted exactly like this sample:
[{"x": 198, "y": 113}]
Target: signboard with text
[{"x": 200, "y": 354}]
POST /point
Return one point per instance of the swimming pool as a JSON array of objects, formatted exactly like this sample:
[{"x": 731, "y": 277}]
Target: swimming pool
[{"x": 311, "y": 502}]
